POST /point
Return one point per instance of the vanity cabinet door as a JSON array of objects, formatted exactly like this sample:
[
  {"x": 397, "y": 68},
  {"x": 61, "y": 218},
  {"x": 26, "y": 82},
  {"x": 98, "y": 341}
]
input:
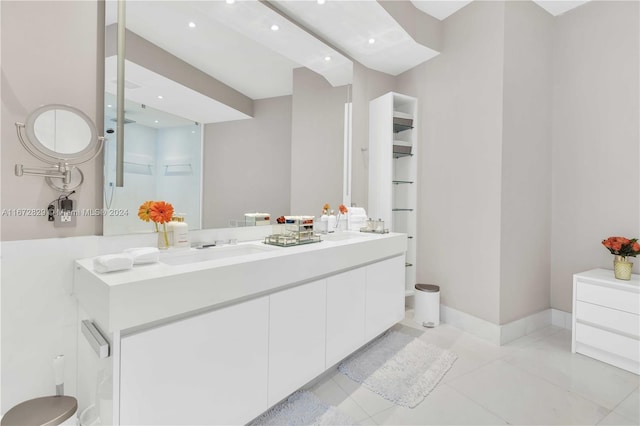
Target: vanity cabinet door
[
  {"x": 345, "y": 314},
  {"x": 385, "y": 295},
  {"x": 207, "y": 369},
  {"x": 297, "y": 324}
]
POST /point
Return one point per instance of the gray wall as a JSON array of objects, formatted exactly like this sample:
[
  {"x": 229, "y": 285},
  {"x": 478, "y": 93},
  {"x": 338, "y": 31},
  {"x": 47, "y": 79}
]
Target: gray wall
[
  {"x": 596, "y": 140},
  {"x": 525, "y": 217},
  {"x": 247, "y": 164},
  {"x": 460, "y": 111},
  {"x": 43, "y": 65},
  {"x": 317, "y": 143},
  {"x": 530, "y": 130}
]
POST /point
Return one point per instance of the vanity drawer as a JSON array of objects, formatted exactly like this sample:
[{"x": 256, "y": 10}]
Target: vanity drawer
[
  {"x": 609, "y": 318},
  {"x": 622, "y": 300},
  {"x": 623, "y": 346}
]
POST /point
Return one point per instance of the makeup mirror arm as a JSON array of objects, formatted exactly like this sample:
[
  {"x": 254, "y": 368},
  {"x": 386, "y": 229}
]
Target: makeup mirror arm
[{"x": 60, "y": 171}]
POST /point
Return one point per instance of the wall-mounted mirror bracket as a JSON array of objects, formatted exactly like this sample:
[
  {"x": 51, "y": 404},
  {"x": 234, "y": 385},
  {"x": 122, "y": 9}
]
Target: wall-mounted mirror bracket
[{"x": 62, "y": 136}]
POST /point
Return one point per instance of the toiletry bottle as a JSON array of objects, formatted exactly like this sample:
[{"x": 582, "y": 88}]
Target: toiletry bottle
[
  {"x": 180, "y": 232},
  {"x": 332, "y": 222},
  {"x": 323, "y": 224}
]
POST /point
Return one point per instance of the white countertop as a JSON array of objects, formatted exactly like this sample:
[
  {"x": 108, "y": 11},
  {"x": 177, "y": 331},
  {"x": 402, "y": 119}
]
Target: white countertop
[{"x": 158, "y": 292}]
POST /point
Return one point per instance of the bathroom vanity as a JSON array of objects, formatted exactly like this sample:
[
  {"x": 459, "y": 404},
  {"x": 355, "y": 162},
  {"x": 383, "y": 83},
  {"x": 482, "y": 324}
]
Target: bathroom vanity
[{"x": 219, "y": 335}]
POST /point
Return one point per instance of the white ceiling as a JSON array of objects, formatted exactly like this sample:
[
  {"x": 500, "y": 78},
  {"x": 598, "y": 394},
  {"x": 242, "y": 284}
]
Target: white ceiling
[
  {"x": 558, "y": 7},
  {"x": 350, "y": 24},
  {"x": 234, "y": 43},
  {"x": 442, "y": 9},
  {"x": 144, "y": 86}
]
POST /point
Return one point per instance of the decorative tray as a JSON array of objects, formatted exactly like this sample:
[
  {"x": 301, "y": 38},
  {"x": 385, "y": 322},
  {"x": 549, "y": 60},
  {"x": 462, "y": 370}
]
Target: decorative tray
[
  {"x": 289, "y": 240},
  {"x": 384, "y": 231}
]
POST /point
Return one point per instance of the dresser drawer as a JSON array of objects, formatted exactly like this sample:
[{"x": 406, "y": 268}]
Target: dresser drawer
[
  {"x": 607, "y": 341},
  {"x": 622, "y": 300},
  {"x": 609, "y": 318}
]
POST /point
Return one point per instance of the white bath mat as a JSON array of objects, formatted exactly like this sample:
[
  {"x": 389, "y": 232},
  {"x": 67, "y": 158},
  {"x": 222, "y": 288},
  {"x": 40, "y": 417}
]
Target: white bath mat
[
  {"x": 303, "y": 408},
  {"x": 399, "y": 367}
]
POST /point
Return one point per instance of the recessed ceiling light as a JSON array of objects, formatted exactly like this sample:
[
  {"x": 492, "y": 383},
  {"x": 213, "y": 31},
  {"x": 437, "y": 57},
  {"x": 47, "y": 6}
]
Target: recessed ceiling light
[
  {"x": 192, "y": 24},
  {"x": 321, "y": 1},
  {"x": 274, "y": 27},
  {"x": 231, "y": 1},
  {"x": 109, "y": 106},
  {"x": 155, "y": 121},
  {"x": 372, "y": 40},
  {"x": 327, "y": 58},
  {"x": 160, "y": 97}
]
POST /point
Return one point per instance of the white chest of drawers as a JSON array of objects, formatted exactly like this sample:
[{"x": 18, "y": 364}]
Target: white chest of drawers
[{"x": 606, "y": 318}]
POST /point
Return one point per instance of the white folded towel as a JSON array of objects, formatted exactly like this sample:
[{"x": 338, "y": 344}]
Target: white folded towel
[
  {"x": 143, "y": 254},
  {"x": 112, "y": 262},
  {"x": 357, "y": 218},
  {"x": 357, "y": 211}
]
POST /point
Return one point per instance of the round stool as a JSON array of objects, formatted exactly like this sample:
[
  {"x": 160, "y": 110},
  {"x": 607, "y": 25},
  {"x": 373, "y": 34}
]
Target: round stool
[
  {"x": 427, "y": 305},
  {"x": 45, "y": 411}
]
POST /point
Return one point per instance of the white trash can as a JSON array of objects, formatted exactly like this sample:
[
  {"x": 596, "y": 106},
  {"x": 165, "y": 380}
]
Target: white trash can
[{"x": 427, "y": 305}]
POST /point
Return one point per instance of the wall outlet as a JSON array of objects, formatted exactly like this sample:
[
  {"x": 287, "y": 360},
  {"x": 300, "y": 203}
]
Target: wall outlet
[{"x": 65, "y": 214}]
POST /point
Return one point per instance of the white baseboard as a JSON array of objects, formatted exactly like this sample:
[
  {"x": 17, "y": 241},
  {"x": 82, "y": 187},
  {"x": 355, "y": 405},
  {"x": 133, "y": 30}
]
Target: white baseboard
[
  {"x": 561, "y": 319},
  {"x": 484, "y": 329},
  {"x": 519, "y": 328},
  {"x": 505, "y": 333}
]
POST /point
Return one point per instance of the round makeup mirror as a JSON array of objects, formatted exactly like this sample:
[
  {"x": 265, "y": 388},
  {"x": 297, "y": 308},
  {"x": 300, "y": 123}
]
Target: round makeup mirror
[
  {"x": 63, "y": 136},
  {"x": 61, "y": 133}
]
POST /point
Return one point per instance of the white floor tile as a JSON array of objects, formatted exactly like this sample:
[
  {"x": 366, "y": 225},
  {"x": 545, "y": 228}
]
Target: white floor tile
[
  {"x": 443, "y": 406},
  {"x": 329, "y": 392},
  {"x": 533, "y": 337},
  {"x": 532, "y": 380},
  {"x": 521, "y": 398},
  {"x": 551, "y": 360},
  {"x": 615, "y": 419},
  {"x": 368, "y": 422},
  {"x": 630, "y": 407},
  {"x": 370, "y": 402},
  {"x": 472, "y": 351}
]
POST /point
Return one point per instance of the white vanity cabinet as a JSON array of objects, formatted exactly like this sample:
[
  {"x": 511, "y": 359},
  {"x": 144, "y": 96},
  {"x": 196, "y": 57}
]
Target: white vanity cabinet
[
  {"x": 606, "y": 318},
  {"x": 206, "y": 369},
  {"x": 221, "y": 341},
  {"x": 346, "y": 296},
  {"x": 297, "y": 328},
  {"x": 384, "y": 300}
]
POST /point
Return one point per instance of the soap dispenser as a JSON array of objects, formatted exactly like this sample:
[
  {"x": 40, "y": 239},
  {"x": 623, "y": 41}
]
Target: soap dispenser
[{"x": 180, "y": 231}]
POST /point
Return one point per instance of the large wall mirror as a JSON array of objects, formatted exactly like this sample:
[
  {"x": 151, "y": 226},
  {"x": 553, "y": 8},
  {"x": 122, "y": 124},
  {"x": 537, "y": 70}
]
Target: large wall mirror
[{"x": 225, "y": 114}]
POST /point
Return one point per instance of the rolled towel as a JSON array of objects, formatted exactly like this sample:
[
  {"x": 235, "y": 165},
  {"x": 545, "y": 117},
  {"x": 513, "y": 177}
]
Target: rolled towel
[
  {"x": 112, "y": 262},
  {"x": 143, "y": 254}
]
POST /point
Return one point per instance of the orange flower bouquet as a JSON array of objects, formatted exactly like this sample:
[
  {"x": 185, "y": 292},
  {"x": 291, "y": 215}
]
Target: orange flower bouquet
[
  {"x": 157, "y": 212},
  {"x": 622, "y": 248}
]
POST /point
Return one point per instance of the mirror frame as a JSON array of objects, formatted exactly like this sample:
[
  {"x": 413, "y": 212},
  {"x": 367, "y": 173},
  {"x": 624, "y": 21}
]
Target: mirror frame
[{"x": 54, "y": 157}]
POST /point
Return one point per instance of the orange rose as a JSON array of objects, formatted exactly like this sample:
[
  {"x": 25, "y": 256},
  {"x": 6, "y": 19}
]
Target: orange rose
[
  {"x": 343, "y": 209},
  {"x": 636, "y": 247}
]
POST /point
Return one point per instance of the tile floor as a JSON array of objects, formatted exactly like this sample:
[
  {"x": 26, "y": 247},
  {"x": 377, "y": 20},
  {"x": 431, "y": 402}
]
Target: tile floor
[{"x": 535, "y": 380}]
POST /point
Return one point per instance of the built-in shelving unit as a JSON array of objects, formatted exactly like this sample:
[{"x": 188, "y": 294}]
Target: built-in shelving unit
[{"x": 393, "y": 170}]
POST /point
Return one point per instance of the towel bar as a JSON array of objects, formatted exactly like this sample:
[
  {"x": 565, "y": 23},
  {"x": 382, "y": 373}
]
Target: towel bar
[{"x": 95, "y": 338}]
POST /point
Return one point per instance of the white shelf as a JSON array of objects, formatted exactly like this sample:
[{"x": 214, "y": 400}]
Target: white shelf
[{"x": 393, "y": 182}]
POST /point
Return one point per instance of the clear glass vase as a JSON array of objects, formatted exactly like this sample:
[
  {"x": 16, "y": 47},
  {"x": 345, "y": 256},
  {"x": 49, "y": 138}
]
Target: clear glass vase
[{"x": 163, "y": 238}]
